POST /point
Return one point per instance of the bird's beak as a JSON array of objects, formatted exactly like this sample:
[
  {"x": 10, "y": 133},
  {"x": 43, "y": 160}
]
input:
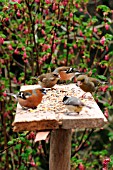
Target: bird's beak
[
  {"x": 43, "y": 91},
  {"x": 79, "y": 83}
]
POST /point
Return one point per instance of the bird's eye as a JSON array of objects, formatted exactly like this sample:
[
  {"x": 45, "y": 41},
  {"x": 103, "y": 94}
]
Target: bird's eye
[
  {"x": 82, "y": 80},
  {"x": 56, "y": 75}
]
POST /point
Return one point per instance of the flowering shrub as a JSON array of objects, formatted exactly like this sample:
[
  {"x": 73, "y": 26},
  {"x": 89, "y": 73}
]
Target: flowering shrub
[{"x": 37, "y": 36}]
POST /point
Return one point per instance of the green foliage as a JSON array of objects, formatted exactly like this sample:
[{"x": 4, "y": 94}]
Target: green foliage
[{"x": 36, "y": 37}]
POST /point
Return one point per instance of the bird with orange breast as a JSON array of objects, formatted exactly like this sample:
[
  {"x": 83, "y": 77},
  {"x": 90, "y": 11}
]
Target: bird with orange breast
[
  {"x": 29, "y": 98},
  {"x": 66, "y": 73},
  {"x": 47, "y": 80}
]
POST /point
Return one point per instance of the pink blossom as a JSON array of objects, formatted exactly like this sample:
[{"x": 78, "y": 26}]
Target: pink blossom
[
  {"x": 47, "y": 1},
  {"x": 71, "y": 51},
  {"x": 16, "y": 51},
  {"x": 4, "y": 94},
  {"x": 102, "y": 40},
  {"x": 26, "y": 61},
  {"x": 104, "y": 88},
  {"x": 107, "y": 48},
  {"x": 88, "y": 60},
  {"x": 37, "y": 21},
  {"x": 23, "y": 48},
  {"x": 31, "y": 135},
  {"x": 14, "y": 80},
  {"x": 45, "y": 47},
  {"x": 32, "y": 163},
  {"x": 95, "y": 29},
  {"x": 26, "y": 31},
  {"x": 20, "y": 27},
  {"x": 80, "y": 9},
  {"x": 18, "y": 1},
  {"x": 106, "y": 26},
  {"x": 37, "y": 1},
  {"x": 1, "y": 40},
  {"x": 54, "y": 47},
  {"x": 81, "y": 167},
  {"x": 71, "y": 14},
  {"x": 5, "y": 114},
  {"x": 65, "y": 2},
  {"x": 2, "y": 61},
  {"x": 44, "y": 58},
  {"x": 43, "y": 32},
  {"x": 106, "y": 57},
  {"x": 18, "y": 13},
  {"x": 6, "y": 19},
  {"x": 76, "y": 5},
  {"x": 80, "y": 33},
  {"x": 46, "y": 11},
  {"x": 54, "y": 7},
  {"x": 10, "y": 47},
  {"x": 75, "y": 46},
  {"x": 40, "y": 62},
  {"x": 105, "y": 163}
]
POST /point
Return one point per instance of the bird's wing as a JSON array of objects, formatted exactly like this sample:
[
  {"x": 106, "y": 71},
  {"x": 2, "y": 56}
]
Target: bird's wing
[
  {"x": 57, "y": 70},
  {"x": 73, "y": 101}
]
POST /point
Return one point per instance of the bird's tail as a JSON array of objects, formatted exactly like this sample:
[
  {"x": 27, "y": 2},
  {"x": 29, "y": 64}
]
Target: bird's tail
[{"x": 88, "y": 106}]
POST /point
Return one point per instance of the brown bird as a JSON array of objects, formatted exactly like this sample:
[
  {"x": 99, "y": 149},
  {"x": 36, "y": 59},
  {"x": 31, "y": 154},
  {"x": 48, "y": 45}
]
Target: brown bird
[
  {"x": 29, "y": 98},
  {"x": 74, "y": 104},
  {"x": 88, "y": 84},
  {"x": 66, "y": 73},
  {"x": 48, "y": 80}
]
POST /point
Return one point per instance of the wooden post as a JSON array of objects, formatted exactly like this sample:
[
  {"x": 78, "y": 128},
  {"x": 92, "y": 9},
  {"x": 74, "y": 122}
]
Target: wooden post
[{"x": 60, "y": 149}]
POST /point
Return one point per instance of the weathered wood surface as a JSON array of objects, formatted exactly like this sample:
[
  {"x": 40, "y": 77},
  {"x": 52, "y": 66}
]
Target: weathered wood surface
[
  {"x": 60, "y": 149},
  {"x": 51, "y": 113}
]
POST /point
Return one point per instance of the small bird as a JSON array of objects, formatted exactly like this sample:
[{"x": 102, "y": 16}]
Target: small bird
[
  {"x": 48, "y": 80},
  {"x": 89, "y": 84},
  {"x": 74, "y": 104},
  {"x": 29, "y": 98},
  {"x": 66, "y": 73}
]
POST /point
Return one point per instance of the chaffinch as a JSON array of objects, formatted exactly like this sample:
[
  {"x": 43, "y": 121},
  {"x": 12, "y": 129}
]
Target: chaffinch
[
  {"x": 74, "y": 104},
  {"x": 66, "y": 73},
  {"x": 29, "y": 98},
  {"x": 48, "y": 80}
]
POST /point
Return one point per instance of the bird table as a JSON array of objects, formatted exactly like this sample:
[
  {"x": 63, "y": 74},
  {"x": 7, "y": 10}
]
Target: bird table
[{"x": 52, "y": 115}]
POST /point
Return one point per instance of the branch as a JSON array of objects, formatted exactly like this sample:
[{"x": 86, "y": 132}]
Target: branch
[{"x": 82, "y": 142}]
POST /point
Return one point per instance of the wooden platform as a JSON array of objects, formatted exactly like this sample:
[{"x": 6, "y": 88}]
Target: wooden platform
[{"x": 52, "y": 114}]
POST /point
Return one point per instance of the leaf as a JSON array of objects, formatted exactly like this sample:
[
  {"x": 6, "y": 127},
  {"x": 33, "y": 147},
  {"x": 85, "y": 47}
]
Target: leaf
[
  {"x": 2, "y": 35},
  {"x": 104, "y": 8},
  {"x": 110, "y": 88},
  {"x": 101, "y": 77},
  {"x": 18, "y": 146},
  {"x": 28, "y": 49},
  {"x": 11, "y": 142}
]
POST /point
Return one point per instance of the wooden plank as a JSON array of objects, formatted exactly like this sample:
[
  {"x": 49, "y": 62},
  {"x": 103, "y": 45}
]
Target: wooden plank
[
  {"x": 60, "y": 149},
  {"x": 51, "y": 113}
]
